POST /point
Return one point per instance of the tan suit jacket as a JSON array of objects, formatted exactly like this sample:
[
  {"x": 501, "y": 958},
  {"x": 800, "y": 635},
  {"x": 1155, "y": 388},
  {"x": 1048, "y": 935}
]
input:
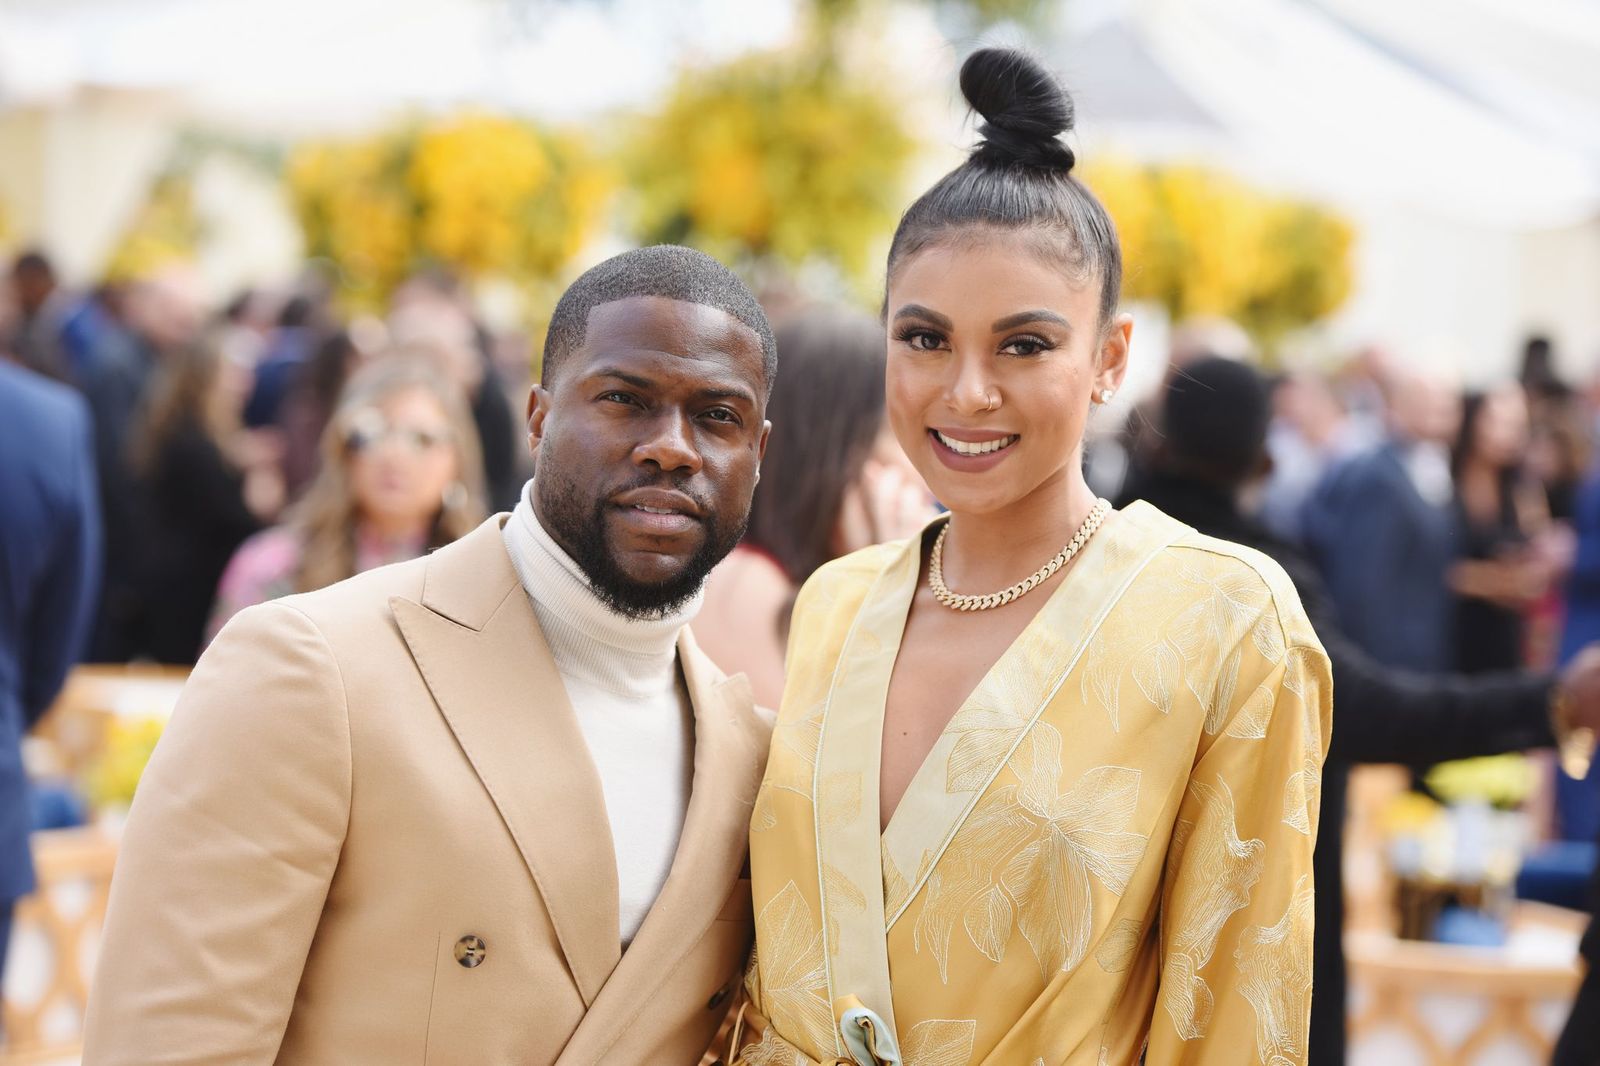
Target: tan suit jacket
[{"x": 358, "y": 781}]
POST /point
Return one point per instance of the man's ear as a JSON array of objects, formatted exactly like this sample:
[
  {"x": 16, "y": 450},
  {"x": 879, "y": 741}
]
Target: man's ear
[
  {"x": 761, "y": 445},
  {"x": 538, "y": 410}
]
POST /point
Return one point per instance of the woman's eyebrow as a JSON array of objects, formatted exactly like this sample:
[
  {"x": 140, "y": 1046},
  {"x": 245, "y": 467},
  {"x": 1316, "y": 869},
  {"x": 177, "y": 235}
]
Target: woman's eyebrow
[
  {"x": 1022, "y": 318},
  {"x": 927, "y": 314}
]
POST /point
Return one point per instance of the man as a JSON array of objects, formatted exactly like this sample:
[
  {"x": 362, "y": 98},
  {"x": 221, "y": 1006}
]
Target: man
[
  {"x": 1382, "y": 529},
  {"x": 490, "y": 806},
  {"x": 35, "y": 339},
  {"x": 1215, "y": 424},
  {"x": 49, "y": 567}
]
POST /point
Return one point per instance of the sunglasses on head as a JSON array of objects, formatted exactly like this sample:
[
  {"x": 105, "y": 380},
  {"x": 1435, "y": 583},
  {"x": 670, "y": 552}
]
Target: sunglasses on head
[{"x": 368, "y": 428}]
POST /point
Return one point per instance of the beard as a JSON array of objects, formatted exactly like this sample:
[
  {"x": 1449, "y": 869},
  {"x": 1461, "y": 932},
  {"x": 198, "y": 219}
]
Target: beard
[{"x": 580, "y": 529}]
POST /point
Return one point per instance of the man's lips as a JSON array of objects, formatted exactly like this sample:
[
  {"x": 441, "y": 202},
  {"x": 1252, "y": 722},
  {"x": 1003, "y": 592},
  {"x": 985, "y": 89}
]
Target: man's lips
[{"x": 658, "y": 512}]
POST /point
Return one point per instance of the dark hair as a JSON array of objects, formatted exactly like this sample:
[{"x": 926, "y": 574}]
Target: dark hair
[
  {"x": 825, "y": 415},
  {"x": 36, "y": 263},
  {"x": 1214, "y": 416},
  {"x": 1019, "y": 177},
  {"x": 666, "y": 270}
]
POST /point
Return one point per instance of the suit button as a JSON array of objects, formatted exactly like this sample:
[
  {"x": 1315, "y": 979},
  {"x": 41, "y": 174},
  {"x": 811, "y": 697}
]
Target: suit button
[
  {"x": 719, "y": 997},
  {"x": 471, "y": 951}
]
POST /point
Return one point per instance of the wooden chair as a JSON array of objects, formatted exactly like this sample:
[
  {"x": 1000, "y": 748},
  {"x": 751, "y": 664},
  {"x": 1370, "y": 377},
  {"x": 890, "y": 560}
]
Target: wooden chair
[
  {"x": 55, "y": 937},
  {"x": 76, "y": 723}
]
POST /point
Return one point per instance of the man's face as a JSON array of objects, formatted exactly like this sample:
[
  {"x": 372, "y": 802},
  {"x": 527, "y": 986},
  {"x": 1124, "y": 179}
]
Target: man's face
[{"x": 648, "y": 442}]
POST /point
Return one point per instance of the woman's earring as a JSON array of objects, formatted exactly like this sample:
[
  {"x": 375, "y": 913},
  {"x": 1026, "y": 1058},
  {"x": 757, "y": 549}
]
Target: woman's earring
[{"x": 1106, "y": 394}]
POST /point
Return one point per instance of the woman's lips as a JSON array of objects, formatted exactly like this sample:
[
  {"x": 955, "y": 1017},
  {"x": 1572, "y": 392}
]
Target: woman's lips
[{"x": 971, "y": 451}]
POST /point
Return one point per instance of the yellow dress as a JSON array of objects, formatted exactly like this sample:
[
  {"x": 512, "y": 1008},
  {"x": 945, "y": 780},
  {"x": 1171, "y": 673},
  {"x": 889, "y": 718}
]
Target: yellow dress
[{"x": 1109, "y": 846}]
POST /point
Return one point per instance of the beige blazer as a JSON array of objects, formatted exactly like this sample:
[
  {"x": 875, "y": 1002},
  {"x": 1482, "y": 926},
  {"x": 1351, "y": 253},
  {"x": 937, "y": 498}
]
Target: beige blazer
[{"x": 373, "y": 834}]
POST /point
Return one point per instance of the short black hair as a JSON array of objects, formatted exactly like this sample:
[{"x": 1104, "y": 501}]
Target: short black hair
[
  {"x": 1215, "y": 415},
  {"x": 34, "y": 262},
  {"x": 665, "y": 270}
]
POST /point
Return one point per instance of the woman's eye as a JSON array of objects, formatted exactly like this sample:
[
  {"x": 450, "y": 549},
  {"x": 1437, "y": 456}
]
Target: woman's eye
[
  {"x": 922, "y": 340},
  {"x": 1026, "y": 346}
]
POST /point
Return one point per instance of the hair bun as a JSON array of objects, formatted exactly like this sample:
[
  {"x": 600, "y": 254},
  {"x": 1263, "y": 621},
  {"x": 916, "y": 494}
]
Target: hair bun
[{"x": 1024, "y": 108}]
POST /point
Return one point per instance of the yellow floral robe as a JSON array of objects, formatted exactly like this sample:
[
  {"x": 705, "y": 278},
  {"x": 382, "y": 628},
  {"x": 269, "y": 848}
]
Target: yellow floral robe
[{"x": 1110, "y": 844}]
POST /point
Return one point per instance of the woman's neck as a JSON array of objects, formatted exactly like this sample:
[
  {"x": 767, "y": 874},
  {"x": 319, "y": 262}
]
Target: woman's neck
[
  {"x": 996, "y": 549},
  {"x": 396, "y": 530},
  {"x": 1479, "y": 488}
]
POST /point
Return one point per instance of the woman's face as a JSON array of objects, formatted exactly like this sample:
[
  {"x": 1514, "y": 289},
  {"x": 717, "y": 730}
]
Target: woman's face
[
  {"x": 402, "y": 457},
  {"x": 994, "y": 356}
]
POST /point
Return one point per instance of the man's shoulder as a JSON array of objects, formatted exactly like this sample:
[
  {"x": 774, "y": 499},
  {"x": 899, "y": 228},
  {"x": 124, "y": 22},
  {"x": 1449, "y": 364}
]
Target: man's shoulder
[
  {"x": 356, "y": 605},
  {"x": 46, "y": 413}
]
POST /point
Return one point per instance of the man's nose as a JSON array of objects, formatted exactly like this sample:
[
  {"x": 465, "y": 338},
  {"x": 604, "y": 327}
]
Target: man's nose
[{"x": 670, "y": 445}]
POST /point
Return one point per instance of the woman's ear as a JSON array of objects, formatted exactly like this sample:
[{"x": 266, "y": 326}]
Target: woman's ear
[{"x": 1113, "y": 356}]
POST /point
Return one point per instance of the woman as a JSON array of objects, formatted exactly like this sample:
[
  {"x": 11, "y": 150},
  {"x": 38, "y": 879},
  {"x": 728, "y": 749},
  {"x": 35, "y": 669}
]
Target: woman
[
  {"x": 833, "y": 480},
  {"x": 205, "y": 484},
  {"x": 1108, "y": 842},
  {"x": 1505, "y": 567},
  {"x": 400, "y": 474}
]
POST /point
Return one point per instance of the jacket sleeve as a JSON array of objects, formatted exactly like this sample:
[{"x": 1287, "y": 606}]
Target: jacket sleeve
[
  {"x": 228, "y": 854},
  {"x": 60, "y": 617},
  {"x": 1389, "y": 714}
]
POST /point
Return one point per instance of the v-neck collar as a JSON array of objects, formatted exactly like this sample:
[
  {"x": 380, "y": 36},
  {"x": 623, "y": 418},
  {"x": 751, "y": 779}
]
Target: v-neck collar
[{"x": 868, "y": 878}]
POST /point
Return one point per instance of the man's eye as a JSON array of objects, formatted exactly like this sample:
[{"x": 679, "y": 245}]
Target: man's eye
[
  {"x": 722, "y": 414},
  {"x": 617, "y": 397}
]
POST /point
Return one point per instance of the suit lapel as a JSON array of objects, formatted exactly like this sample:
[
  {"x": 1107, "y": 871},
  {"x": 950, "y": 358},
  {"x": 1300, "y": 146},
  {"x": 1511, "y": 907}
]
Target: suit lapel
[
  {"x": 478, "y": 645},
  {"x": 729, "y": 753}
]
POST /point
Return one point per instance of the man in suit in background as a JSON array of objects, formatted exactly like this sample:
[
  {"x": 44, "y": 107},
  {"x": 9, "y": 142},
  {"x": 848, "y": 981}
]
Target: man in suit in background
[
  {"x": 488, "y": 807},
  {"x": 1213, "y": 455},
  {"x": 49, "y": 577},
  {"x": 1382, "y": 528}
]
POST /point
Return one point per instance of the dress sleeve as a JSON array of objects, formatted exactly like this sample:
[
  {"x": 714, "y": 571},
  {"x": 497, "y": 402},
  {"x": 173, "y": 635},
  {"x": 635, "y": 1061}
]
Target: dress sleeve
[{"x": 1236, "y": 915}]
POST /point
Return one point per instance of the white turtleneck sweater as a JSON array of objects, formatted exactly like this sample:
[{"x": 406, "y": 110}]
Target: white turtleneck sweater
[{"x": 622, "y": 679}]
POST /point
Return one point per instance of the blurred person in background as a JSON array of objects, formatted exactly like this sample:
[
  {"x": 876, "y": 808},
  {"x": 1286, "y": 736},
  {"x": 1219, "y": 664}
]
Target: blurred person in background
[
  {"x": 1502, "y": 571},
  {"x": 304, "y": 415},
  {"x": 40, "y": 307},
  {"x": 1208, "y": 473},
  {"x": 432, "y": 310},
  {"x": 834, "y": 480},
  {"x": 1310, "y": 433},
  {"x": 50, "y": 540},
  {"x": 1382, "y": 529},
  {"x": 206, "y": 484},
  {"x": 302, "y": 323},
  {"x": 400, "y": 476}
]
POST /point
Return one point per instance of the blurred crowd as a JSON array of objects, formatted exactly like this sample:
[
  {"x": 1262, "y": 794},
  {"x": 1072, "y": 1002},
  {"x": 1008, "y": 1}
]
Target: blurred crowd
[{"x": 267, "y": 447}]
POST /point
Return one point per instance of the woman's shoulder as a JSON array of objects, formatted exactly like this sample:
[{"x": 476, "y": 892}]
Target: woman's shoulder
[{"x": 1249, "y": 579}]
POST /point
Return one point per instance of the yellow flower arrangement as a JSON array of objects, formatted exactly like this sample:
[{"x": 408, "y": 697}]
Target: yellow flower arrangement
[
  {"x": 114, "y": 775},
  {"x": 1199, "y": 242},
  {"x": 483, "y": 194},
  {"x": 778, "y": 157},
  {"x": 166, "y": 230}
]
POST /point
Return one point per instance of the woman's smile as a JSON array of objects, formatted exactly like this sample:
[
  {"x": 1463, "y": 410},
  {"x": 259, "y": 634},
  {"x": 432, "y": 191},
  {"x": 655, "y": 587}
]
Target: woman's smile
[{"x": 971, "y": 450}]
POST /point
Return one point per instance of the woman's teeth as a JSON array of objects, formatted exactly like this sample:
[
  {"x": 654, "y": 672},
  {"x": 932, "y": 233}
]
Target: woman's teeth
[{"x": 964, "y": 447}]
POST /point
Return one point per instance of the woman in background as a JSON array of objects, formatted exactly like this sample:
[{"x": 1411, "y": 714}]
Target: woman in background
[
  {"x": 1504, "y": 568},
  {"x": 834, "y": 480},
  {"x": 400, "y": 475},
  {"x": 205, "y": 484}
]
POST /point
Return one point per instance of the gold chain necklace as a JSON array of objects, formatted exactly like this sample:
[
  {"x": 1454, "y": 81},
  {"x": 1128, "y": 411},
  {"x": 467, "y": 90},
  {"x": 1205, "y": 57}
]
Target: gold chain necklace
[{"x": 957, "y": 602}]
